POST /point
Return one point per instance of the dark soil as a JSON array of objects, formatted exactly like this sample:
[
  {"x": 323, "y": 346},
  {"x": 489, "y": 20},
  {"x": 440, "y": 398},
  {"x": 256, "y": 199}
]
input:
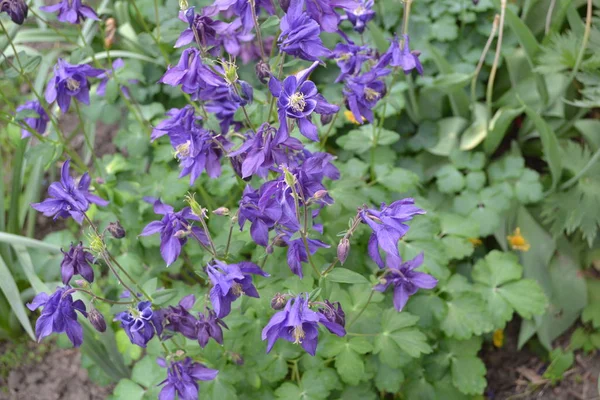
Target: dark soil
[
  {"x": 518, "y": 374},
  {"x": 57, "y": 375}
]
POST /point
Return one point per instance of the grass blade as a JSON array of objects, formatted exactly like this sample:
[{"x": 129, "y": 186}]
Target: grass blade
[
  {"x": 11, "y": 292},
  {"x": 27, "y": 242}
]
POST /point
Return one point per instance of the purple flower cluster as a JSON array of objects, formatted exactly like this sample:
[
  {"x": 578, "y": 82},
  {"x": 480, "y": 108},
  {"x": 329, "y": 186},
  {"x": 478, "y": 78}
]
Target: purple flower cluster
[{"x": 182, "y": 377}]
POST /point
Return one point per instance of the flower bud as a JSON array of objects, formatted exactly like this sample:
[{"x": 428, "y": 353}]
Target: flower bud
[
  {"x": 197, "y": 210},
  {"x": 284, "y": 4},
  {"x": 326, "y": 118},
  {"x": 269, "y": 249},
  {"x": 183, "y": 5},
  {"x": 279, "y": 242},
  {"x": 16, "y": 10},
  {"x": 221, "y": 211},
  {"x": 110, "y": 31},
  {"x": 263, "y": 71},
  {"x": 97, "y": 320},
  {"x": 237, "y": 358},
  {"x": 343, "y": 249},
  {"x": 116, "y": 230},
  {"x": 278, "y": 301},
  {"x": 288, "y": 177},
  {"x": 81, "y": 283},
  {"x": 319, "y": 194}
]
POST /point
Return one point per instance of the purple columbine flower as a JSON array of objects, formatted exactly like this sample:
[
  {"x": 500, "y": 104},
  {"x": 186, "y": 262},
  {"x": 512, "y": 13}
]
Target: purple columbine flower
[
  {"x": 77, "y": 262},
  {"x": 141, "y": 323},
  {"x": 242, "y": 9},
  {"x": 297, "y": 98},
  {"x": 298, "y": 324},
  {"x": 230, "y": 281},
  {"x": 179, "y": 319},
  {"x": 261, "y": 217},
  {"x": 174, "y": 228},
  {"x": 117, "y": 64},
  {"x": 333, "y": 317},
  {"x": 264, "y": 149},
  {"x": 181, "y": 379},
  {"x": 405, "y": 279},
  {"x": 71, "y": 11},
  {"x": 361, "y": 14},
  {"x": 300, "y": 34},
  {"x": 232, "y": 35},
  {"x": 191, "y": 74},
  {"x": 38, "y": 123},
  {"x": 58, "y": 315},
  {"x": 67, "y": 199},
  {"x": 388, "y": 225},
  {"x": 350, "y": 58},
  {"x": 297, "y": 254},
  {"x": 210, "y": 326},
  {"x": 70, "y": 81},
  {"x": 363, "y": 92},
  {"x": 204, "y": 26},
  {"x": 403, "y": 58},
  {"x": 323, "y": 12},
  {"x": 196, "y": 148},
  {"x": 16, "y": 9}
]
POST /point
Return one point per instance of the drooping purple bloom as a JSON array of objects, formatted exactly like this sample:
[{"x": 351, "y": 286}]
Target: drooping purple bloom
[
  {"x": 297, "y": 254},
  {"x": 16, "y": 9},
  {"x": 70, "y": 81},
  {"x": 323, "y": 12},
  {"x": 363, "y": 92},
  {"x": 333, "y": 317},
  {"x": 210, "y": 326},
  {"x": 77, "y": 262},
  {"x": 242, "y": 9},
  {"x": 250, "y": 51},
  {"x": 58, "y": 315},
  {"x": 174, "y": 228},
  {"x": 204, "y": 26},
  {"x": 297, "y": 99},
  {"x": 117, "y": 64},
  {"x": 179, "y": 319},
  {"x": 388, "y": 225},
  {"x": 71, "y": 11},
  {"x": 191, "y": 74},
  {"x": 180, "y": 122},
  {"x": 298, "y": 324},
  {"x": 230, "y": 281},
  {"x": 37, "y": 124},
  {"x": 361, "y": 14},
  {"x": 262, "y": 217},
  {"x": 300, "y": 34},
  {"x": 264, "y": 149},
  {"x": 350, "y": 58},
  {"x": 141, "y": 323},
  {"x": 403, "y": 58},
  {"x": 405, "y": 279},
  {"x": 67, "y": 199},
  {"x": 232, "y": 35},
  {"x": 182, "y": 377}
]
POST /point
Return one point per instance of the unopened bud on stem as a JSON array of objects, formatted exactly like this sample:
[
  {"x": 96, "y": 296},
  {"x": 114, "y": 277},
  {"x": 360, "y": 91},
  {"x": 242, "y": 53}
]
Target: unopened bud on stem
[{"x": 343, "y": 249}]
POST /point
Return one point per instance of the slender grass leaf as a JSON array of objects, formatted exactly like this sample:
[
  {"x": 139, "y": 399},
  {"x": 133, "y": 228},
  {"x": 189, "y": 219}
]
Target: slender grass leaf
[
  {"x": 27, "y": 242},
  {"x": 27, "y": 265},
  {"x": 498, "y": 127},
  {"x": 11, "y": 292},
  {"x": 549, "y": 144}
]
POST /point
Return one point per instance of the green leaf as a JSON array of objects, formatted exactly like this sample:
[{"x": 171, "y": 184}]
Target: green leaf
[
  {"x": 449, "y": 179},
  {"x": 468, "y": 375},
  {"x": 549, "y": 144},
  {"x": 147, "y": 372},
  {"x": 11, "y": 292},
  {"x": 449, "y": 129},
  {"x": 379, "y": 38},
  {"x": 128, "y": 390},
  {"x": 466, "y": 316},
  {"x": 591, "y": 314},
  {"x": 388, "y": 379},
  {"x": 343, "y": 275},
  {"x": 525, "y": 296},
  {"x": 396, "y": 179},
  {"x": 559, "y": 364},
  {"x": 457, "y": 248},
  {"x": 28, "y": 242},
  {"x": 497, "y": 268},
  {"x": 350, "y": 366},
  {"x": 360, "y": 345},
  {"x": 498, "y": 126},
  {"x": 459, "y": 101},
  {"x": 411, "y": 340},
  {"x": 477, "y": 132}
]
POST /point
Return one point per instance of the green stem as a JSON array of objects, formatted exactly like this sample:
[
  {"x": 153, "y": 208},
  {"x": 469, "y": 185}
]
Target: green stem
[
  {"x": 331, "y": 124},
  {"x": 584, "y": 43},
  {"x": 492, "y": 78},
  {"x": 488, "y": 44},
  {"x": 96, "y": 297},
  {"x": 362, "y": 309}
]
